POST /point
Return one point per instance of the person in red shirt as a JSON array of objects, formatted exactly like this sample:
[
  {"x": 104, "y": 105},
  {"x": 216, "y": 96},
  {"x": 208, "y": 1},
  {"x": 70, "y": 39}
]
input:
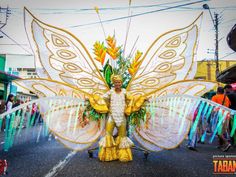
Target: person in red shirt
[{"x": 222, "y": 99}]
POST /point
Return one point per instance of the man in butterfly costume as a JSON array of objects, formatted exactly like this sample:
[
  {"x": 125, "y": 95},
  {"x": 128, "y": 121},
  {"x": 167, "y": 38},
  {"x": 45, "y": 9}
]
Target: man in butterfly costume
[
  {"x": 108, "y": 146},
  {"x": 119, "y": 104},
  {"x": 66, "y": 68}
]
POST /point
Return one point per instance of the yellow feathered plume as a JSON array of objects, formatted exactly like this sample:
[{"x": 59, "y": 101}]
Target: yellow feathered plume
[
  {"x": 96, "y": 9},
  {"x": 112, "y": 50},
  {"x": 100, "y": 52},
  {"x": 135, "y": 64}
]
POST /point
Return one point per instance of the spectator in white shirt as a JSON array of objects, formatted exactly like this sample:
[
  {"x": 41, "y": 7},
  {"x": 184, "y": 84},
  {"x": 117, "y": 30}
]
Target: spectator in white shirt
[{"x": 9, "y": 102}]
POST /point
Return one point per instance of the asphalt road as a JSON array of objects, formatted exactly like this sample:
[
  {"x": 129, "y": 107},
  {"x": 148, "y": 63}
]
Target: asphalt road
[{"x": 50, "y": 158}]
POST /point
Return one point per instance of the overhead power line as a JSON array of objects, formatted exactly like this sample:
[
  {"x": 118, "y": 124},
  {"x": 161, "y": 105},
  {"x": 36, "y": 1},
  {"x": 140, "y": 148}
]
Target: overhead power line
[
  {"x": 3, "y": 22},
  {"x": 227, "y": 55},
  {"x": 105, "y": 8},
  {"x": 139, "y": 14},
  {"x": 15, "y": 42}
]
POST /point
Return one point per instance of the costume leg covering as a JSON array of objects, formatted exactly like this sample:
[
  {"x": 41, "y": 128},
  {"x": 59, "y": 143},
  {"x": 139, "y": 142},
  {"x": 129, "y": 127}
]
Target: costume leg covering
[
  {"x": 107, "y": 145},
  {"x": 124, "y": 144}
]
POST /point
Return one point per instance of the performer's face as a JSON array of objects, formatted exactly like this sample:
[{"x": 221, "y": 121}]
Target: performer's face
[{"x": 117, "y": 84}]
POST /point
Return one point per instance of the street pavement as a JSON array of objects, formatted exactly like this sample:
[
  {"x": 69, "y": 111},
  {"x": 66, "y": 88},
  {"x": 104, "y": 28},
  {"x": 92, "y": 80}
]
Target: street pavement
[{"x": 50, "y": 158}]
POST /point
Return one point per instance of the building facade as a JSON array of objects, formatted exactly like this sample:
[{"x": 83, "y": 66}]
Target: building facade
[
  {"x": 14, "y": 67},
  {"x": 6, "y": 78},
  {"x": 206, "y": 69}
]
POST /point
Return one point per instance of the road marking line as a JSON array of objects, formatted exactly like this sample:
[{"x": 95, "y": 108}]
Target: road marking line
[{"x": 56, "y": 169}]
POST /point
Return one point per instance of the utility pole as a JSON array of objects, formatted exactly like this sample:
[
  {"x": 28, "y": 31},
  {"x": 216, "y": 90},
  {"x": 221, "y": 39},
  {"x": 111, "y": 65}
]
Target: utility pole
[
  {"x": 217, "y": 43},
  {"x": 3, "y": 21},
  {"x": 215, "y": 24}
]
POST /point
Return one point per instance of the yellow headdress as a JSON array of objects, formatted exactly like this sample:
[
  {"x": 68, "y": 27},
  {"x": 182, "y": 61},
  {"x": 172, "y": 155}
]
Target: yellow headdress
[{"x": 116, "y": 78}]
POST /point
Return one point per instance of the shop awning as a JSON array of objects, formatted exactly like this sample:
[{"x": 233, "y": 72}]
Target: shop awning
[
  {"x": 231, "y": 38},
  {"x": 228, "y": 76},
  {"x": 6, "y": 77}
]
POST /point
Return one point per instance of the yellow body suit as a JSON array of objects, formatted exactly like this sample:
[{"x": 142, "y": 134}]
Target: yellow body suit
[
  {"x": 117, "y": 105},
  {"x": 110, "y": 149}
]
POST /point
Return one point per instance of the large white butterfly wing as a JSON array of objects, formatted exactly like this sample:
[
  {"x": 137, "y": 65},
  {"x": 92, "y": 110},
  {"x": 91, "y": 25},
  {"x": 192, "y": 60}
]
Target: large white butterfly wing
[
  {"x": 171, "y": 117},
  {"x": 187, "y": 87},
  {"x": 62, "y": 57},
  {"x": 169, "y": 59},
  {"x": 49, "y": 88}
]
